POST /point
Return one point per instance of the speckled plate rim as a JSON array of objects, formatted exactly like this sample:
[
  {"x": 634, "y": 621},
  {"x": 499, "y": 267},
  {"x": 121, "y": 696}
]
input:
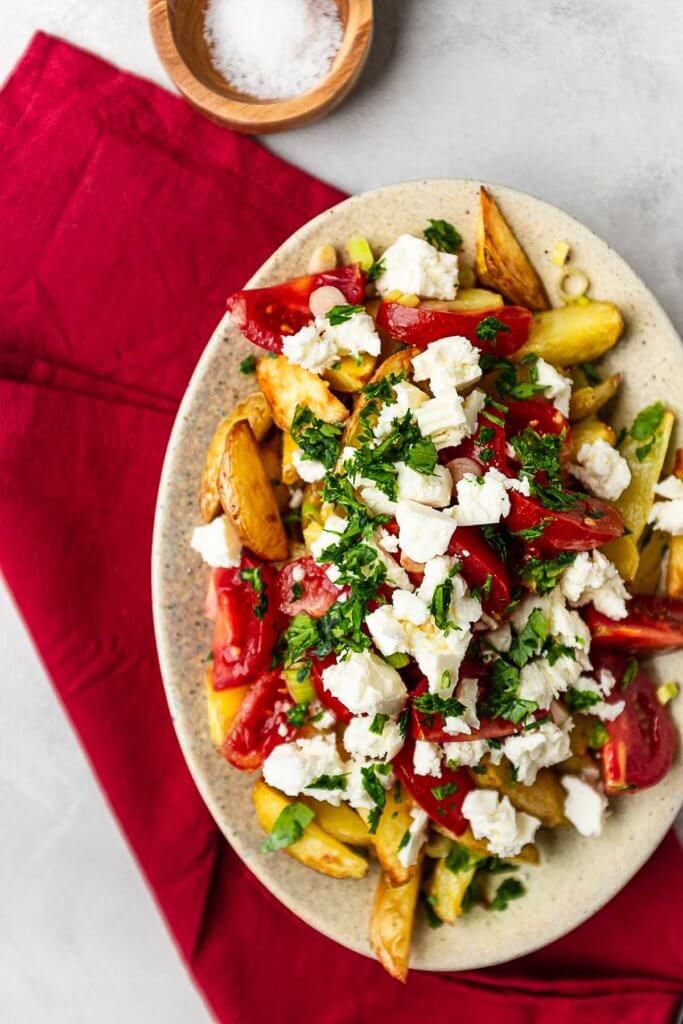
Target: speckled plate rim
[{"x": 659, "y": 805}]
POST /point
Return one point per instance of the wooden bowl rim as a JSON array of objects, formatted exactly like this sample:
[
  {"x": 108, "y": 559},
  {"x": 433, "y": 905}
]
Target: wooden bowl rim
[{"x": 270, "y": 115}]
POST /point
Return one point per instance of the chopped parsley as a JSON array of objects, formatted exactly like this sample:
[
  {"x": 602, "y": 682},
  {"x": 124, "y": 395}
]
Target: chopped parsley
[
  {"x": 497, "y": 541},
  {"x": 297, "y": 714},
  {"x": 433, "y": 704},
  {"x": 590, "y": 373},
  {"x": 289, "y": 827},
  {"x": 316, "y": 439},
  {"x": 533, "y": 532},
  {"x": 378, "y": 723},
  {"x": 433, "y": 919},
  {"x": 297, "y": 590},
  {"x": 581, "y": 700},
  {"x": 503, "y": 700},
  {"x": 644, "y": 428},
  {"x": 509, "y": 889},
  {"x": 405, "y": 839},
  {"x": 442, "y": 235},
  {"x": 440, "y": 604},
  {"x": 545, "y": 573},
  {"x": 403, "y": 443},
  {"x": 490, "y": 327},
  {"x": 340, "y": 314},
  {"x": 328, "y": 782},
  {"x": 630, "y": 673},
  {"x": 509, "y": 383},
  {"x": 457, "y": 859},
  {"x": 446, "y": 790},
  {"x": 248, "y": 365},
  {"x": 554, "y": 650},
  {"x": 253, "y": 577},
  {"x": 530, "y": 639},
  {"x": 377, "y": 268},
  {"x": 377, "y": 793},
  {"x": 598, "y": 736}
]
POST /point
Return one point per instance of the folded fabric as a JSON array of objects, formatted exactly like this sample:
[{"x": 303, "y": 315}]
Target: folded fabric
[{"x": 126, "y": 220}]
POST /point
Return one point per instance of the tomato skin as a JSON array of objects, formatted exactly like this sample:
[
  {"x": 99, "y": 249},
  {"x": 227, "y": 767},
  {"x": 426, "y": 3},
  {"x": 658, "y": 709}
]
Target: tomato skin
[
  {"x": 421, "y": 326},
  {"x": 265, "y": 314},
  {"x": 446, "y": 812},
  {"x": 652, "y": 624},
  {"x": 571, "y": 530},
  {"x": 242, "y": 643},
  {"x": 431, "y": 727},
  {"x": 642, "y": 739},
  {"x": 324, "y": 696},
  {"x": 540, "y": 415},
  {"x": 479, "y": 561},
  {"x": 319, "y": 593},
  {"x": 471, "y": 447},
  {"x": 261, "y": 723}
]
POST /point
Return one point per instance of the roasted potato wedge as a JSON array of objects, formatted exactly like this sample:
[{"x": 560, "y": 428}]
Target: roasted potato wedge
[
  {"x": 649, "y": 571},
  {"x": 446, "y": 889},
  {"x": 286, "y": 385},
  {"x": 221, "y": 707},
  {"x": 588, "y": 430},
  {"x": 393, "y": 824},
  {"x": 636, "y": 501},
  {"x": 271, "y": 457},
  {"x": 316, "y": 849},
  {"x": 340, "y": 822},
  {"x": 500, "y": 261},
  {"x": 247, "y": 495},
  {"x": 391, "y": 923},
  {"x": 528, "y": 855},
  {"x": 573, "y": 333},
  {"x": 586, "y": 401},
  {"x": 255, "y": 410},
  {"x": 468, "y": 299},
  {"x": 544, "y": 798},
  {"x": 399, "y": 362},
  {"x": 351, "y": 374},
  {"x": 289, "y": 472}
]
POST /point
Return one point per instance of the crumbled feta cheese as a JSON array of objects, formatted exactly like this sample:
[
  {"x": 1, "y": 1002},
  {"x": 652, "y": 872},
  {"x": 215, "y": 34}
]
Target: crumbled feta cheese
[
  {"x": 436, "y": 572},
  {"x": 408, "y": 399},
  {"x": 361, "y": 742},
  {"x": 388, "y": 634},
  {"x": 396, "y": 575},
  {"x": 296, "y": 498},
  {"x": 584, "y": 806},
  {"x": 593, "y": 579},
  {"x": 540, "y": 748},
  {"x": 324, "y": 717},
  {"x": 218, "y": 543},
  {"x": 298, "y": 574},
  {"x": 667, "y": 515},
  {"x": 424, "y": 532},
  {"x": 542, "y": 682},
  {"x": 466, "y": 754},
  {"x": 601, "y": 709},
  {"x": 556, "y": 386},
  {"x": 417, "y": 835},
  {"x": 329, "y": 535},
  {"x": 365, "y": 684},
  {"x": 443, "y": 419},
  {"x": 607, "y": 681},
  {"x": 473, "y": 404},
  {"x": 496, "y": 820},
  {"x": 565, "y": 625},
  {"x": 500, "y": 639},
  {"x": 482, "y": 499},
  {"x": 467, "y": 692},
  {"x": 356, "y": 794},
  {"x": 448, "y": 363},
  {"x": 308, "y": 349},
  {"x": 671, "y": 487},
  {"x": 437, "y": 652},
  {"x": 409, "y": 607},
  {"x": 352, "y": 336},
  {"x": 601, "y": 469},
  {"x": 388, "y": 542},
  {"x": 310, "y": 470},
  {"x": 426, "y": 488},
  {"x": 376, "y": 500},
  {"x": 293, "y": 767},
  {"x": 413, "y": 266},
  {"x": 427, "y": 758}
]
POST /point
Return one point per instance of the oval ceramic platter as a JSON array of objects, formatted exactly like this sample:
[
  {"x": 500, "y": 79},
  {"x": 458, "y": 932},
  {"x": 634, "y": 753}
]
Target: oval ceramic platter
[{"x": 577, "y": 876}]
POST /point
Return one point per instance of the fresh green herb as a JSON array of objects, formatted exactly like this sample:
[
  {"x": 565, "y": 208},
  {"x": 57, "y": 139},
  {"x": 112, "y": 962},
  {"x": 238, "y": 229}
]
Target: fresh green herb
[
  {"x": 297, "y": 714},
  {"x": 554, "y": 650},
  {"x": 209, "y": 656},
  {"x": 486, "y": 434},
  {"x": 383, "y": 389},
  {"x": 457, "y": 859},
  {"x": 581, "y": 700},
  {"x": 253, "y": 576},
  {"x": 378, "y": 723},
  {"x": 340, "y": 314},
  {"x": 433, "y": 704},
  {"x": 533, "y": 532},
  {"x": 535, "y": 723},
  {"x": 495, "y": 866},
  {"x": 398, "y": 660},
  {"x": 376, "y": 270},
  {"x": 646, "y": 536},
  {"x": 440, "y": 604},
  {"x": 478, "y": 769},
  {"x": 538, "y": 453},
  {"x": 482, "y": 592},
  {"x": 490, "y": 327},
  {"x": 509, "y": 889},
  {"x": 404, "y": 840},
  {"x": 493, "y": 418},
  {"x": 446, "y": 790},
  {"x": 289, "y": 827},
  {"x": 433, "y": 919},
  {"x": 630, "y": 673},
  {"x": 403, "y": 723},
  {"x": 300, "y": 636},
  {"x": 473, "y": 895},
  {"x": 316, "y": 439},
  {"x": 509, "y": 383},
  {"x": 545, "y": 573},
  {"x": 397, "y": 793},
  {"x": 486, "y": 454},
  {"x": 297, "y": 590},
  {"x": 598, "y": 735},
  {"x": 497, "y": 541},
  {"x": 442, "y": 235},
  {"x": 503, "y": 699},
  {"x": 403, "y": 443},
  {"x": 328, "y": 782},
  {"x": 377, "y": 793},
  {"x": 644, "y": 428},
  {"x": 621, "y": 437},
  {"x": 590, "y": 373},
  {"x": 530, "y": 639},
  {"x": 248, "y": 365}
]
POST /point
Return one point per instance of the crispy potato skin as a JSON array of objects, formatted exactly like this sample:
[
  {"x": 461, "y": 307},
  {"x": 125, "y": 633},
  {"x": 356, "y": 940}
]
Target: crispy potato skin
[
  {"x": 221, "y": 707},
  {"x": 340, "y": 822},
  {"x": 289, "y": 446},
  {"x": 247, "y": 495},
  {"x": 254, "y": 409},
  {"x": 271, "y": 457},
  {"x": 316, "y": 849},
  {"x": 286, "y": 385},
  {"x": 500, "y": 261},
  {"x": 394, "y": 822},
  {"x": 587, "y": 401},
  {"x": 391, "y": 923},
  {"x": 447, "y": 889},
  {"x": 573, "y": 333}
]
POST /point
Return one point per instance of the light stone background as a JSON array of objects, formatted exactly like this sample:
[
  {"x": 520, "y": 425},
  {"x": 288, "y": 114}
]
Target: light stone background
[{"x": 575, "y": 101}]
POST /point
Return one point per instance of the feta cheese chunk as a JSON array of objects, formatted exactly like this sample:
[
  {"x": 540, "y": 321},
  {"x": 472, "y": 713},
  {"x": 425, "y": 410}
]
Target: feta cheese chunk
[
  {"x": 466, "y": 754},
  {"x": 542, "y": 682},
  {"x": 413, "y": 266},
  {"x": 351, "y": 337},
  {"x": 376, "y": 500},
  {"x": 424, "y": 532},
  {"x": 427, "y": 758},
  {"x": 505, "y": 830},
  {"x": 584, "y": 806},
  {"x": 308, "y": 349},
  {"x": 667, "y": 515},
  {"x": 556, "y": 386},
  {"x": 409, "y": 607},
  {"x": 540, "y": 748},
  {"x": 593, "y": 579},
  {"x": 408, "y": 399},
  {"x": 563, "y": 623},
  {"x": 482, "y": 499},
  {"x": 601, "y": 709},
  {"x": 443, "y": 419},
  {"x": 356, "y": 793},
  {"x": 601, "y": 469},
  {"x": 388, "y": 542},
  {"x": 365, "y": 684},
  {"x": 432, "y": 489},
  {"x": 334, "y": 527},
  {"x": 437, "y": 652},
  {"x": 500, "y": 639},
  {"x": 294, "y": 767},
  {"x": 473, "y": 404},
  {"x": 417, "y": 834},
  {"x": 218, "y": 543},
  {"x": 436, "y": 571},
  {"x": 310, "y": 470},
  {"x": 448, "y": 363},
  {"x": 361, "y": 742},
  {"x": 388, "y": 634},
  {"x": 396, "y": 574}
]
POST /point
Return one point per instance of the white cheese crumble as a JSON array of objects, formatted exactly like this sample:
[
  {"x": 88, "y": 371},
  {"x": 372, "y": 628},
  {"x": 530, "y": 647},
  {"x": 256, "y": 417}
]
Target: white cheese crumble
[
  {"x": 417, "y": 835},
  {"x": 293, "y": 767},
  {"x": 601, "y": 469},
  {"x": 466, "y": 754},
  {"x": 365, "y": 684},
  {"x": 542, "y": 682},
  {"x": 329, "y": 535},
  {"x": 448, "y": 363},
  {"x": 319, "y": 345},
  {"x": 427, "y": 758},
  {"x": 432, "y": 489},
  {"x": 533, "y": 750},
  {"x": 495, "y": 820},
  {"x": 500, "y": 639},
  {"x": 601, "y": 709},
  {"x": 667, "y": 515},
  {"x": 388, "y": 542},
  {"x": 409, "y": 607},
  {"x": 396, "y": 575},
  {"x": 388, "y": 634},
  {"x": 593, "y": 579},
  {"x": 584, "y": 806},
  {"x": 556, "y": 386},
  {"x": 443, "y": 419},
  {"x": 424, "y": 532},
  {"x": 482, "y": 499},
  {"x": 356, "y": 794},
  {"x": 413, "y": 266},
  {"x": 473, "y": 404},
  {"x": 296, "y": 498},
  {"x": 309, "y": 350},
  {"x": 218, "y": 543},
  {"x": 310, "y": 470},
  {"x": 408, "y": 399},
  {"x": 361, "y": 742}
]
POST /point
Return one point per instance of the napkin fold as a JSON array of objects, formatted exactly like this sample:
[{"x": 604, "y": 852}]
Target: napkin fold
[{"x": 126, "y": 220}]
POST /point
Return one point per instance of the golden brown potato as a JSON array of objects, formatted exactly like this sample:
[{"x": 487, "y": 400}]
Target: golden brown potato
[
  {"x": 391, "y": 923},
  {"x": 588, "y": 430},
  {"x": 393, "y": 824},
  {"x": 221, "y": 707},
  {"x": 271, "y": 457},
  {"x": 341, "y": 822},
  {"x": 446, "y": 890},
  {"x": 247, "y": 495},
  {"x": 351, "y": 374},
  {"x": 468, "y": 299},
  {"x": 646, "y": 579},
  {"x": 586, "y": 401},
  {"x": 255, "y": 410},
  {"x": 528, "y": 855},
  {"x": 316, "y": 849},
  {"x": 289, "y": 472},
  {"x": 286, "y": 386},
  {"x": 500, "y": 261},
  {"x": 544, "y": 798},
  {"x": 573, "y": 333}
]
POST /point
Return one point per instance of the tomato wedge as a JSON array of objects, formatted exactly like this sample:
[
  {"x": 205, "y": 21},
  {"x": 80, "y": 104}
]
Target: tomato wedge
[
  {"x": 324, "y": 696},
  {"x": 491, "y": 442},
  {"x": 261, "y": 723},
  {"x": 587, "y": 524},
  {"x": 431, "y": 727},
  {"x": 479, "y": 564},
  {"x": 444, "y": 809},
  {"x": 306, "y": 578},
  {"x": 642, "y": 739},
  {"x": 541, "y": 416},
  {"x": 652, "y": 624},
  {"x": 421, "y": 326},
  {"x": 242, "y": 642},
  {"x": 265, "y": 314}
]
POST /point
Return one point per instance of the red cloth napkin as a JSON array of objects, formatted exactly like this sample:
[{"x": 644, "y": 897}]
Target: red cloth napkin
[{"x": 126, "y": 220}]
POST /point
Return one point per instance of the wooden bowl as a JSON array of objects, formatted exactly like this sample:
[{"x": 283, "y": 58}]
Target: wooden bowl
[{"x": 178, "y": 33}]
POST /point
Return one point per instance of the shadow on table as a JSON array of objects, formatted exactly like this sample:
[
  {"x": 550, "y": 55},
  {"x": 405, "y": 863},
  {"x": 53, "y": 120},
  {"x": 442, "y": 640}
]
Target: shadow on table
[{"x": 390, "y": 21}]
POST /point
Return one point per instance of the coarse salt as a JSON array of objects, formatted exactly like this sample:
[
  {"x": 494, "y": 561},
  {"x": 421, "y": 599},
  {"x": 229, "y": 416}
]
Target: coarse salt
[{"x": 273, "y": 49}]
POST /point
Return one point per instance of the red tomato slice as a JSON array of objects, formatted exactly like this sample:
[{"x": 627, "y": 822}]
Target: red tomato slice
[
  {"x": 642, "y": 739},
  {"x": 538, "y": 414},
  {"x": 431, "y": 727},
  {"x": 265, "y": 314},
  {"x": 421, "y": 326},
  {"x": 472, "y": 447},
  {"x": 318, "y": 593},
  {"x": 324, "y": 696},
  {"x": 572, "y": 530},
  {"x": 479, "y": 562},
  {"x": 652, "y": 624},
  {"x": 447, "y": 810},
  {"x": 242, "y": 643},
  {"x": 260, "y": 724}
]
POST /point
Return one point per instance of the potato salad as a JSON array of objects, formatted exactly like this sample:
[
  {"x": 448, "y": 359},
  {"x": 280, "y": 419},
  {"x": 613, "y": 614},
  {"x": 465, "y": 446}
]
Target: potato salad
[{"x": 435, "y": 569}]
